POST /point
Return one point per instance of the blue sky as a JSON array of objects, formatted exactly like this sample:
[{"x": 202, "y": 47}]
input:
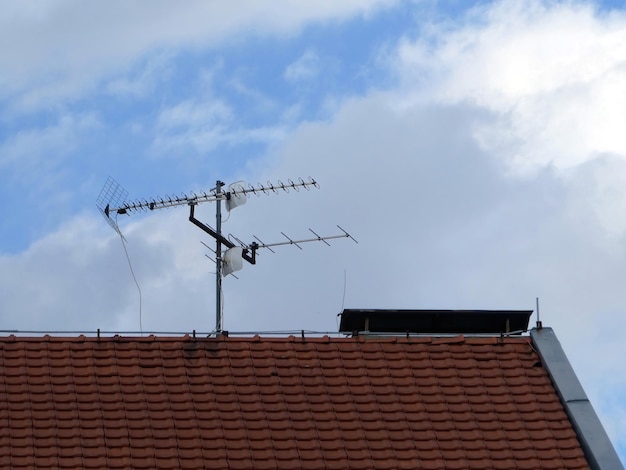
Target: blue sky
[
  {"x": 114, "y": 123},
  {"x": 475, "y": 150}
]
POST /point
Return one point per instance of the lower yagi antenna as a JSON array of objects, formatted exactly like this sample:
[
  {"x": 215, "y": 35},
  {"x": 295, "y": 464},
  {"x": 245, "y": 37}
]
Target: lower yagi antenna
[
  {"x": 229, "y": 256},
  {"x": 296, "y": 243}
]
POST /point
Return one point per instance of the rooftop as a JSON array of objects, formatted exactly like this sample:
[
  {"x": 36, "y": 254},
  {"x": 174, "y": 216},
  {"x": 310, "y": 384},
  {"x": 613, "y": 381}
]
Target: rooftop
[{"x": 454, "y": 402}]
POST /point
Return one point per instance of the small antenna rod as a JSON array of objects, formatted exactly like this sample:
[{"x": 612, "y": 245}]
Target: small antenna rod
[{"x": 539, "y": 324}]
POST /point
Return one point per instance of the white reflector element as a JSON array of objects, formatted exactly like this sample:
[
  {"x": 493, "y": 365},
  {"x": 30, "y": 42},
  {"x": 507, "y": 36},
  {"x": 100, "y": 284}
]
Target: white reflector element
[
  {"x": 237, "y": 199},
  {"x": 232, "y": 261}
]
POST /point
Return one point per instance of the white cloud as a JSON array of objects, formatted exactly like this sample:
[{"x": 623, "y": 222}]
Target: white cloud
[
  {"x": 144, "y": 82},
  {"x": 304, "y": 68},
  {"x": 200, "y": 125},
  {"x": 30, "y": 151},
  {"x": 63, "y": 48},
  {"x": 554, "y": 72},
  {"x": 63, "y": 281},
  {"x": 195, "y": 114},
  {"x": 203, "y": 125},
  {"x": 77, "y": 278},
  {"x": 598, "y": 188}
]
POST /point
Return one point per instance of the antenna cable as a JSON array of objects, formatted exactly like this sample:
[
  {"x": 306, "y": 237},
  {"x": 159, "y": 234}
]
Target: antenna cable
[{"x": 130, "y": 265}]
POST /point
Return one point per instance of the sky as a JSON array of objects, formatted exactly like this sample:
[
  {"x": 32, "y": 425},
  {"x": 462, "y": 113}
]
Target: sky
[{"x": 475, "y": 150}]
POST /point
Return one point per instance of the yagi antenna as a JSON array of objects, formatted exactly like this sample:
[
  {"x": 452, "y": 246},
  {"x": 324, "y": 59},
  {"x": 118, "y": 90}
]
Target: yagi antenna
[
  {"x": 289, "y": 241},
  {"x": 116, "y": 205},
  {"x": 112, "y": 201}
]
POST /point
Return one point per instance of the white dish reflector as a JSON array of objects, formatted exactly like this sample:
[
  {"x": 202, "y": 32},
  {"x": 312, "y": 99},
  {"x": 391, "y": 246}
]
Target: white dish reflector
[
  {"x": 232, "y": 261},
  {"x": 237, "y": 199}
]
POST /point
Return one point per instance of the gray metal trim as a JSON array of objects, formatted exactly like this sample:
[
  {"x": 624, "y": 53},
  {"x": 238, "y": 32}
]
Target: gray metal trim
[{"x": 596, "y": 445}]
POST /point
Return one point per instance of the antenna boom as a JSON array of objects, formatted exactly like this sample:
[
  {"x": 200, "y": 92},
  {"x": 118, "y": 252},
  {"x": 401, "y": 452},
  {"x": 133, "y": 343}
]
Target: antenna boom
[
  {"x": 212, "y": 196},
  {"x": 305, "y": 240}
]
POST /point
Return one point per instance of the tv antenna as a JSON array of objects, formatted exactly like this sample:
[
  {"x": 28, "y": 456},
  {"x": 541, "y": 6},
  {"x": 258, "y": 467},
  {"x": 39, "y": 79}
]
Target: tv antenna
[{"x": 112, "y": 201}]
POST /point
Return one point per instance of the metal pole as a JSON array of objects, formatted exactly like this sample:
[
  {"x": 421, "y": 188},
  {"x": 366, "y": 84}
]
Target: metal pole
[{"x": 218, "y": 259}]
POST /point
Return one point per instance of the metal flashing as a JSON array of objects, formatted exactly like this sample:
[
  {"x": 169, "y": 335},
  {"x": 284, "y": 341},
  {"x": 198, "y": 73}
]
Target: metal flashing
[{"x": 594, "y": 441}]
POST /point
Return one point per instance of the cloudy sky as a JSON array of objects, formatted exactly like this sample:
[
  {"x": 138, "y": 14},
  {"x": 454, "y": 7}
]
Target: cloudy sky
[{"x": 476, "y": 152}]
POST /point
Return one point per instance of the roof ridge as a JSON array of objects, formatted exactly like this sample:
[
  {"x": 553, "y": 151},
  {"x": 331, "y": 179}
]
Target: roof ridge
[{"x": 434, "y": 339}]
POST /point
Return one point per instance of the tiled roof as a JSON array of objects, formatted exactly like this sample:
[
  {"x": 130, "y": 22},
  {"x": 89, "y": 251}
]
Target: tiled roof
[{"x": 313, "y": 403}]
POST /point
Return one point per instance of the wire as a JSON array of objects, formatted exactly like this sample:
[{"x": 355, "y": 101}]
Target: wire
[
  {"x": 130, "y": 265},
  {"x": 343, "y": 299},
  {"x": 345, "y": 284},
  {"x": 222, "y": 306}
]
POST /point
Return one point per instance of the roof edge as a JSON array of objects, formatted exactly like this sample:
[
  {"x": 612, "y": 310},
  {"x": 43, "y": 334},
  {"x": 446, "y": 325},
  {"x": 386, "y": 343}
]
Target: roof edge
[{"x": 595, "y": 442}]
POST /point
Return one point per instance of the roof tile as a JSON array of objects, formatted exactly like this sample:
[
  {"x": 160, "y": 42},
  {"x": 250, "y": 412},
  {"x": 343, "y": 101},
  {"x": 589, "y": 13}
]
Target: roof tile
[{"x": 464, "y": 403}]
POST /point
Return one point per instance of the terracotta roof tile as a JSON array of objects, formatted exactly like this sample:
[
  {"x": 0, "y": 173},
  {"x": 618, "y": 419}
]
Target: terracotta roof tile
[{"x": 455, "y": 403}]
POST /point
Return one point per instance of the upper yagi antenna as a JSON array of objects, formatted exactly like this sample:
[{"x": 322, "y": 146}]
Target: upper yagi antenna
[
  {"x": 112, "y": 201},
  {"x": 116, "y": 204}
]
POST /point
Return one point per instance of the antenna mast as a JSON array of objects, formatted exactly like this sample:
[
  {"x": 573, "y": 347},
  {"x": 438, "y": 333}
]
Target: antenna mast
[
  {"x": 112, "y": 200},
  {"x": 218, "y": 259}
]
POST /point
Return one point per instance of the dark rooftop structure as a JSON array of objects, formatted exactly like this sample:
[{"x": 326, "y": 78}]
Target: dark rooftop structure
[
  {"x": 435, "y": 321},
  {"x": 427, "y": 401}
]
